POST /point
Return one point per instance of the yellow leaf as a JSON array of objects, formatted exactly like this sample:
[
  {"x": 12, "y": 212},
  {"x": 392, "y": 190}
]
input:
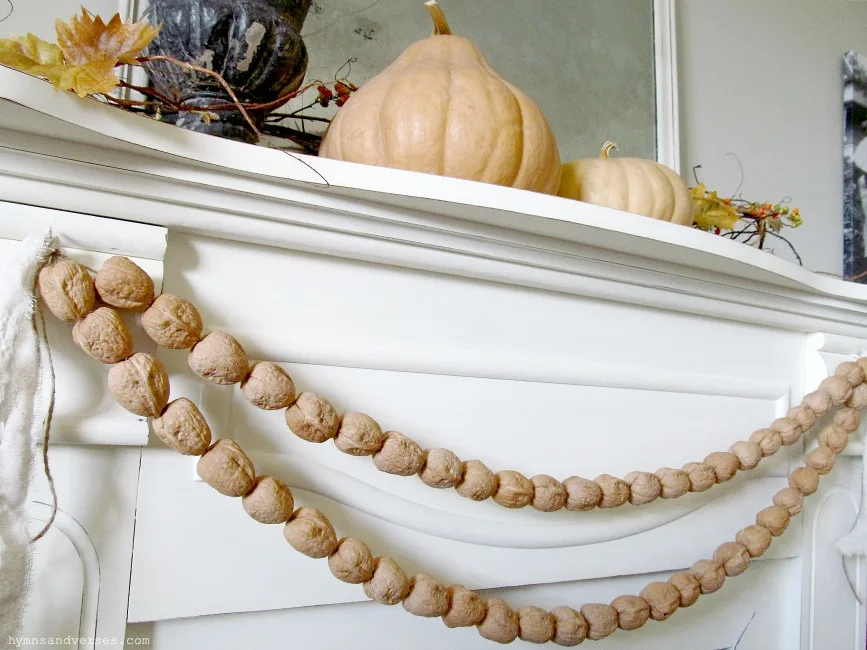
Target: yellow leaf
[
  {"x": 710, "y": 211},
  {"x": 86, "y": 39},
  {"x": 27, "y": 53},
  {"x": 88, "y": 79},
  {"x": 724, "y": 218}
]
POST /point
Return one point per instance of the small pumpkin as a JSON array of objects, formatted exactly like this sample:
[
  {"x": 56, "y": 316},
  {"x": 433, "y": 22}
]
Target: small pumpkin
[
  {"x": 636, "y": 185},
  {"x": 441, "y": 109}
]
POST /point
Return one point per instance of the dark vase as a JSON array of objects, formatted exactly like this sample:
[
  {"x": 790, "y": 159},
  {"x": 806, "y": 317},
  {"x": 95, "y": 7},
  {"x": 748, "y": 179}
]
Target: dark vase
[{"x": 255, "y": 45}]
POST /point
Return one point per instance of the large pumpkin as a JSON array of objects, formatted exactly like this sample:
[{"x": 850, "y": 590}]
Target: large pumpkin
[
  {"x": 635, "y": 185},
  {"x": 441, "y": 109}
]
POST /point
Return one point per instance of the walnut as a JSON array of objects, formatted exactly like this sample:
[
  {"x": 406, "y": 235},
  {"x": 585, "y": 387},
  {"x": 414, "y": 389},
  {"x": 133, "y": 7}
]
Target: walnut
[
  {"x": 103, "y": 335},
  {"x": 675, "y": 483},
  {"x": 351, "y": 561},
  {"x": 219, "y": 358},
  {"x": 644, "y": 487},
  {"x": 615, "y": 491},
  {"x": 819, "y": 401},
  {"x": 749, "y": 454},
  {"x": 775, "y": 519},
  {"x": 359, "y": 435},
  {"x": 834, "y": 438},
  {"x": 140, "y": 385},
  {"x": 514, "y": 490},
  {"x": 267, "y": 386},
  {"x": 769, "y": 440},
  {"x": 851, "y": 372},
  {"x": 535, "y": 625},
  {"x": 389, "y": 584},
  {"x": 441, "y": 469},
  {"x": 399, "y": 455},
  {"x": 789, "y": 429},
  {"x": 688, "y": 586},
  {"x": 466, "y": 607},
  {"x": 755, "y": 538},
  {"x": 701, "y": 476},
  {"x": 632, "y": 612},
  {"x": 847, "y": 419},
  {"x": 478, "y": 482},
  {"x": 270, "y": 501},
  {"x": 426, "y": 597},
  {"x": 122, "y": 283},
  {"x": 312, "y": 418},
  {"x": 183, "y": 428},
  {"x": 501, "y": 622},
  {"x": 309, "y": 532},
  {"x": 663, "y": 599},
  {"x": 803, "y": 415},
  {"x": 837, "y": 388},
  {"x": 862, "y": 362},
  {"x": 570, "y": 628},
  {"x": 549, "y": 494},
  {"x": 172, "y": 322},
  {"x": 66, "y": 288},
  {"x": 821, "y": 459},
  {"x": 734, "y": 557},
  {"x": 724, "y": 463},
  {"x": 805, "y": 480},
  {"x": 858, "y": 399},
  {"x": 581, "y": 494},
  {"x": 601, "y": 620},
  {"x": 791, "y": 499},
  {"x": 227, "y": 469},
  {"x": 710, "y": 575}
]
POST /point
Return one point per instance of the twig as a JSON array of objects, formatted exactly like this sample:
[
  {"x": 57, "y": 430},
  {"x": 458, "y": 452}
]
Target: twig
[
  {"x": 308, "y": 141},
  {"x": 210, "y": 73},
  {"x": 779, "y": 236},
  {"x": 150, "y": 92}
]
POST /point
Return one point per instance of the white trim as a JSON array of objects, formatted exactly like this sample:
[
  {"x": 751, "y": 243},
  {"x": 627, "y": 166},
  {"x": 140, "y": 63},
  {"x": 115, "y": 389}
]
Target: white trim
[{"x": 667, "y": 101}]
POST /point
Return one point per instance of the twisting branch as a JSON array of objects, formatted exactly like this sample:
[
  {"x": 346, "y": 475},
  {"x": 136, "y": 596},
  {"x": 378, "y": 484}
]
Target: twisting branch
[{"x": 210, "y": 73}]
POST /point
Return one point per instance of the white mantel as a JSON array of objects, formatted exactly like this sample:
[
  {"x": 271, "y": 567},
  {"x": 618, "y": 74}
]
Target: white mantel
[{"x": 534, "y": 332}]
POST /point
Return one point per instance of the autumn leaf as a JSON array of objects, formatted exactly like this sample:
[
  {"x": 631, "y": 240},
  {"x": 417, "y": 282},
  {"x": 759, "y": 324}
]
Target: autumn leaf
[
  {"x": 86, "y": 39},
  {"x": 710, "y": 211},
  {"x": 29, "y": 54}
]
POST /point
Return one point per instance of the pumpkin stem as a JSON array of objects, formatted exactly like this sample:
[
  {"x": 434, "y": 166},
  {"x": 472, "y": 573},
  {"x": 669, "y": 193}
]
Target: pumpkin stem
[
  {"x": 441, "y": 25},
  {"x": 606, "y": 149}
]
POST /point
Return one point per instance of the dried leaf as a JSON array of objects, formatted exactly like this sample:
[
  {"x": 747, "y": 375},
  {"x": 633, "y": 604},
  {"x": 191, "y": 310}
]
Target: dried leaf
[
  {"x": 88, "y": 79},
  {"x": 86, "y": 39},
  {"x": 711, "y": 212},
  {"x": 27, "y": 53}
]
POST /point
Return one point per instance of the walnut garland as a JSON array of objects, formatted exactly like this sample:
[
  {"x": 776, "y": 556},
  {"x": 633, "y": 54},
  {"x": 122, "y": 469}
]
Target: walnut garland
[
  {"x": 103, "y": 335},
  {"x": 123, "y": 284},
  {"x": 174, "y": 322},
  {"x": 140, "y": 385},
  {"x": 66, "y": 288}
]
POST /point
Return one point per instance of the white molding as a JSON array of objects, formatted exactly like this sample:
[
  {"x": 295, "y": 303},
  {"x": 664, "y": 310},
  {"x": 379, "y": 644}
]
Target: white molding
[{"x": 667, "y": 99}]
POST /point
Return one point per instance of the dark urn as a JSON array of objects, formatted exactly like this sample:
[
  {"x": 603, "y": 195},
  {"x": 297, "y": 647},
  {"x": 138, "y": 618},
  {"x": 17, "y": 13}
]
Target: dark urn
[{"x": 255, "y": 45}]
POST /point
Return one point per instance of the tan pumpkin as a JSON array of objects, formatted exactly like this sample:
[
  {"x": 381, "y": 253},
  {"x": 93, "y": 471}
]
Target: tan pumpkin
[
  {"x": 441, "y": 109},
  {"x": 636, "y": 185}
]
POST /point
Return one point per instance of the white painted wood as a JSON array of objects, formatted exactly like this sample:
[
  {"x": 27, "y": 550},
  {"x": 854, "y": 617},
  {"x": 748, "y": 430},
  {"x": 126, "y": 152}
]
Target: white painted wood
[
  {"x": 534, "y": 333},
  {"x": 81, "y": 568},
  {"x": 665, "y": 69},
  {"x": 31, "y": 106}
]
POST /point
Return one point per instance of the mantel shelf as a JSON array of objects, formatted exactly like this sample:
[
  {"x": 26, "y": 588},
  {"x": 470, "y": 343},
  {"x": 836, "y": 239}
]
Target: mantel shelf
[{"x": 42, "y": 130}]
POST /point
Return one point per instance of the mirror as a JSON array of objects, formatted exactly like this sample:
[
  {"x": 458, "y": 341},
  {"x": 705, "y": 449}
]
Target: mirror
[{"x": 598, "y": 69}]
